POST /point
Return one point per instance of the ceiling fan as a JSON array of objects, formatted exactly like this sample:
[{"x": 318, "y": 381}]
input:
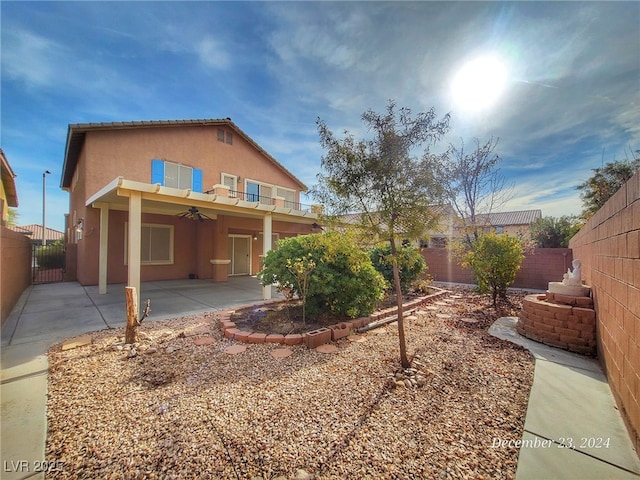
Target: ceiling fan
[{"x": 194, "y": 214}]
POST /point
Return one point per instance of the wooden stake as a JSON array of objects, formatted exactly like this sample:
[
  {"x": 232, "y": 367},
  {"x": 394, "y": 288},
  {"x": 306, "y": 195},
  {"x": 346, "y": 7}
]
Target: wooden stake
[{"x": 131, "y": 333}]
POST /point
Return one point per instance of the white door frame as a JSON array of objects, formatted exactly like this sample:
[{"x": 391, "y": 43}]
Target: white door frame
[{"x": 232, "y": 253}]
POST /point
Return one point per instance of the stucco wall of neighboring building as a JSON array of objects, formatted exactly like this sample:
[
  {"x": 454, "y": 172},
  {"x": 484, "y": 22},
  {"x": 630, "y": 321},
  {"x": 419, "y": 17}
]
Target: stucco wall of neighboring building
[
  {"x": 15, "y": 270},
  {"x": 609, "y": 249}
]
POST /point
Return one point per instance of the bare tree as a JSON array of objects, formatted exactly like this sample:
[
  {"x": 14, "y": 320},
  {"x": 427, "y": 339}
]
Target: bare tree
[
  {"x": 379, "y": 179},
  {"x": 474, "y": 185}
]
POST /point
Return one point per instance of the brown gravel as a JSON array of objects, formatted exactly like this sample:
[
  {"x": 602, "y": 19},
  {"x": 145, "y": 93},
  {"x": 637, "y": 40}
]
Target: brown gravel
[{"x": 193, "y": 411}]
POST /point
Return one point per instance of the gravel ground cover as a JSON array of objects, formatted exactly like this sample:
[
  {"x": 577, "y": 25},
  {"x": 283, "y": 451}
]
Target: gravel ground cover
[{"x": 179, "y": 410}]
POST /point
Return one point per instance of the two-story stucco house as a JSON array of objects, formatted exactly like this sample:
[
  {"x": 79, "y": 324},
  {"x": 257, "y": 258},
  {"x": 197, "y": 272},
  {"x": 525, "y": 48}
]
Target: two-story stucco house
[{"x": 158, "y": 200}]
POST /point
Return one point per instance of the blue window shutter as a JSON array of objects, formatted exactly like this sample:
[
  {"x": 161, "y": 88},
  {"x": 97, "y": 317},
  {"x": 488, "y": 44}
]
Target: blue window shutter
[
  {"x": 197, "y": 180},
  {"x": 157, "y": 171}
]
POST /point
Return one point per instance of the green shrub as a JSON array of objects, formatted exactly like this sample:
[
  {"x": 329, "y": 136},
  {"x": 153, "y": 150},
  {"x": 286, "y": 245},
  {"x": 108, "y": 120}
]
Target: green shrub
[
  {"x": 51, "y": 256},
  {"x": 494, "y": 261},
  {"x": 341, "y": 282},
  {"x": 410, "y": 265}
]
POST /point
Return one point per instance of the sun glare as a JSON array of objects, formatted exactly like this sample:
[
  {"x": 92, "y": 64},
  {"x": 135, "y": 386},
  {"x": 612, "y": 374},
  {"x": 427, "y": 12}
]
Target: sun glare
[{"x": 479, "y": 83}]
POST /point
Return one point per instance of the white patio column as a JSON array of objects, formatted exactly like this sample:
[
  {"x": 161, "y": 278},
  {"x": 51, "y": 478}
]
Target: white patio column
[
  {"x": 266, "y": 247},
  {"x": 134, "y": 238},
  {"x": 104, "y": 247}
]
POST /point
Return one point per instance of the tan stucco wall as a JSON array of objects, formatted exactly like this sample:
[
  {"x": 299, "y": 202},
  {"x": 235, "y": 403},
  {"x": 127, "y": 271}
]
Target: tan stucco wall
[
  {"x": 15, "y": 269},
  {"x": 129, "y": 153},
  {"x": 195, "y": 244},
  {"x": 3, "y": 205}
]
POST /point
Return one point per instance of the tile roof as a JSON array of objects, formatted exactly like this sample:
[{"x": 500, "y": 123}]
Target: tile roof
[
  {"x": 519, "y": 217},
  {"x": 34, "y": 231}
]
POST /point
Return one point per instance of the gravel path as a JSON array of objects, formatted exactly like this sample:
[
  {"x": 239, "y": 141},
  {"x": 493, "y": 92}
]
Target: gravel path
[{"x": 178, "y": 410}]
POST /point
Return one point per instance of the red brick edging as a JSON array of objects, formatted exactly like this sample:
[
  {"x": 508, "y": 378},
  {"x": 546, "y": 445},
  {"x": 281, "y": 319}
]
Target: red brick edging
[{"x": 317, "y": 337}]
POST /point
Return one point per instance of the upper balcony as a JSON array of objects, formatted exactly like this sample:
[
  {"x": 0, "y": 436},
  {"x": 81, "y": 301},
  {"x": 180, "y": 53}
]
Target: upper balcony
[{"x": 219, "y": 200}]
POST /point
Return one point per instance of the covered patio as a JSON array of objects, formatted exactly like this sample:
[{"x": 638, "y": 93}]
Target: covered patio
[{"x": 201, "y": 247}]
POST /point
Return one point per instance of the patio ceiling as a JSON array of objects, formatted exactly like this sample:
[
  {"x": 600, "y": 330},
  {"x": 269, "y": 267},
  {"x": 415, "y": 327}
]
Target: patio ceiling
[{"x": 171, "y": 201}]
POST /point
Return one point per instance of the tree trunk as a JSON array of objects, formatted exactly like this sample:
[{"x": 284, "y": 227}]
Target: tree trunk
[
  {"x": 404, "y": 360},
  {"x": 131, "y": 332}
]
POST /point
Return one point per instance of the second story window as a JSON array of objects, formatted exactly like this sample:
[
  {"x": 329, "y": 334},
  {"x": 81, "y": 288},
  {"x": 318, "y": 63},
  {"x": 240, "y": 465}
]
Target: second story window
[
  {"x": 176, "y": 175},
  {"x": 258, "y": 192}
]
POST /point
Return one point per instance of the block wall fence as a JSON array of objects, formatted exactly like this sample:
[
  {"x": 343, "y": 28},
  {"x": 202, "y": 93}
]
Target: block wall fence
[
  {"x": 15, "y": 269},
  {"x": 609, "y": 248},
  {"x": 539, "y": 267}
]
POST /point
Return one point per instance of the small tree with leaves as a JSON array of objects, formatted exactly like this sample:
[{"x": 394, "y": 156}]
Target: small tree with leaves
[
  {"x": 604, "y": 182},
  {"x": 495, "y": 260},
  {"x": 12, "y": 217},
  {"x": 381, "y": 180},
  {"x": 552, "y": 232}
]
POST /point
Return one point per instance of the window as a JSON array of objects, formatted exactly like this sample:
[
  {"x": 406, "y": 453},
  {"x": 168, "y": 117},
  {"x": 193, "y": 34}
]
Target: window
[
  {"x": 500, "y": 229},
  {"x": 176, "y": 175},
  {"x": 221, "y": 135},
  {"x": 288, "y": 195},
  {"x": 258, "y": 192},
  {"x": 156, "y": 244}
]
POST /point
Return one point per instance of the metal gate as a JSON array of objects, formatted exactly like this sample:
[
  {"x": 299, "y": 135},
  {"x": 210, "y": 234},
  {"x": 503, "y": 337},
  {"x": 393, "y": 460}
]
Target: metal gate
[{"x": 48, "y": 263}]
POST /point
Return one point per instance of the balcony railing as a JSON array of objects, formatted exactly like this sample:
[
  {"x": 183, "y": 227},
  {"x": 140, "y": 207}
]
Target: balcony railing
[{"x": 252, "y": 197}]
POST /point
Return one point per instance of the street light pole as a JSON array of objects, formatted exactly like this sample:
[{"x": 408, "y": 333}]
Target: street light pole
[{"x": 44, "y": 197}]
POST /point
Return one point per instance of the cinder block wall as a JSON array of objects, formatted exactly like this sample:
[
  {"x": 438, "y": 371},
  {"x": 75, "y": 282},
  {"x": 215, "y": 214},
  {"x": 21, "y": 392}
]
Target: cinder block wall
[
  {"x": 15, "y": 270},
  {"x": 539, "y": 267},
  {"x": 609, "y": 249}
]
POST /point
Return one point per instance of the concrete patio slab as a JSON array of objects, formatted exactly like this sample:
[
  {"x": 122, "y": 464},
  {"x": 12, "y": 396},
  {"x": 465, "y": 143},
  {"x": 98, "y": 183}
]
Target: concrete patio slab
[
  {"x": 551, "y": 463},
  {"x": 570, "y": 405}
]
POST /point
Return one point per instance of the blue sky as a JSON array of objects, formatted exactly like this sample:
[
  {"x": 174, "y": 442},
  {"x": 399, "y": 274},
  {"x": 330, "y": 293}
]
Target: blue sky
[{"x": 571, "y": 90}]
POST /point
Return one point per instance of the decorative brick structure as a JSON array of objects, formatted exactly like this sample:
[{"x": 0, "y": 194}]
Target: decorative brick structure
[{"x": 560, "y": 321}]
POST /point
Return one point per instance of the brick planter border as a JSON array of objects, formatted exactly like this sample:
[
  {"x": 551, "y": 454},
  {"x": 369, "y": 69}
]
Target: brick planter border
[{"x": 317, "y": 337}]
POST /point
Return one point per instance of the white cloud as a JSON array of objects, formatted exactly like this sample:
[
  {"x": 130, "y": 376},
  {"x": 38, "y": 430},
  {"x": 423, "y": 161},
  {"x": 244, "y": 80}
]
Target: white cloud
[
  {"x": 30, "y": 58},
  {"x": 213, "y": 53}
]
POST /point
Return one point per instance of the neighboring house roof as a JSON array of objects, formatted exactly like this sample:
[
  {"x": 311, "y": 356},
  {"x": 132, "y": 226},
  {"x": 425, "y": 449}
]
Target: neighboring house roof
[
  {"x": 34, "y": 231},
  {"x": 8, "y": 181},
  {"x": 520, "y": 217},
  {"x": 77, "y": 132},
  {"x": 442, "y": 210}
]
